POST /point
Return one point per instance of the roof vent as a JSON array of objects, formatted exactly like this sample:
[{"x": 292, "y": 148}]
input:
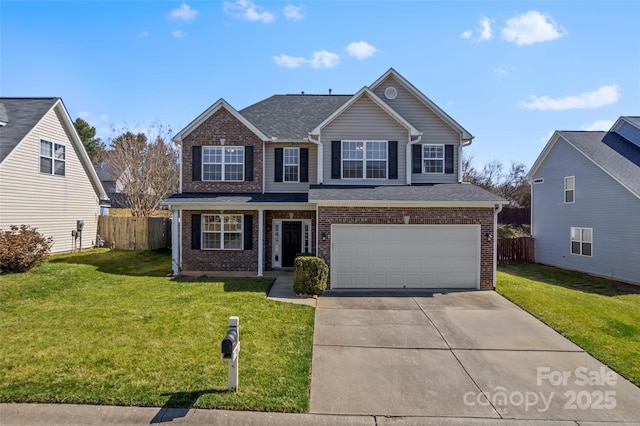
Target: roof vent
[{"x": 390, "y": 93}]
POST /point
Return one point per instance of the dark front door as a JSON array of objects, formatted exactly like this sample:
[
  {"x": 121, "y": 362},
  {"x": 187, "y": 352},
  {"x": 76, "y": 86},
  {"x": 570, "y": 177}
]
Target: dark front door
[{"x": 291, "y": 242}]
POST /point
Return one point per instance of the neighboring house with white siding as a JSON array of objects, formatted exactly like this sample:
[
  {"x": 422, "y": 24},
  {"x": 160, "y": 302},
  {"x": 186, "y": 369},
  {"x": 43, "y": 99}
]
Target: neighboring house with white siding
[
  {"x": 585, "y": 191},
  {"x": 47, "y": 180},
  {"x": 371, "y": 182}
]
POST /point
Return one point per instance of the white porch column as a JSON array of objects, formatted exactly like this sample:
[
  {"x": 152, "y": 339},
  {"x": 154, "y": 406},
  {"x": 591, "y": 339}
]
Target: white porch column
[
  {"x": 175, "y": 243},
  {"x": 260, "y": 242}
]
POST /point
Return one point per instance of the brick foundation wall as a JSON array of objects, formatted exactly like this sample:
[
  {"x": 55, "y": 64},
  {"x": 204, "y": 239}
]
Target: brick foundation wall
[
  {"x": 218, "y": 260},
  {"x": 221, "y": 125},
  {"x": 423, "y": 216}
]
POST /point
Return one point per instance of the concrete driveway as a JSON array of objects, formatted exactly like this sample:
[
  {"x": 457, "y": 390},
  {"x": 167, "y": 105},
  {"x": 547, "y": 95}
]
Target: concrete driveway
[{"x": 457, "y": 354}]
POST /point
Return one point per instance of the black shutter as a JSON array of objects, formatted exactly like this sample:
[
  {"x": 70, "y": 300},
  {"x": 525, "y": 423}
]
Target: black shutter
[
  {"x": 304, "y": 164},
  {"x": 195, "y": 232},
  {"x": 416, "y": 159},
  {"x": 196, "y": 163},
  {"x": 248, "y": 232},
  {"x": 393, "y": 159},
  {"x": 279, "y": 165},
  {"x": 448, "y": 159},
  {"x": 248, "y": 163},
  {"x": 336, "y": 155}
]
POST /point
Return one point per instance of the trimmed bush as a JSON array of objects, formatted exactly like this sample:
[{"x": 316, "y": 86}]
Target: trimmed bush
[
  {"x": 310, "y": 275},
  {"x": 23, "y": 248}
]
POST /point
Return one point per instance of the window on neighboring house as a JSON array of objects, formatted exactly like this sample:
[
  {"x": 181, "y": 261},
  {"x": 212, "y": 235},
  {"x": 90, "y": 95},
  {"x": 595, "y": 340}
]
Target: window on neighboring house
[
  {"x": 364, "y": 159},
  {"x": 291, "y": 164},
  {"x": 221, "y": 232},
  {"x": 581, "y": 241},
  {"x": 52, "y": 158},
  {"x": 432, "y": 158},
  {"x": 569, "y": 189},
  {"x": 223, "y": 163}
]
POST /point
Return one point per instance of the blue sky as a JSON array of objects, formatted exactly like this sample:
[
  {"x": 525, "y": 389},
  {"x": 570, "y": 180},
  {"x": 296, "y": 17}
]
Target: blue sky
[{"x": 509, "y": 72}]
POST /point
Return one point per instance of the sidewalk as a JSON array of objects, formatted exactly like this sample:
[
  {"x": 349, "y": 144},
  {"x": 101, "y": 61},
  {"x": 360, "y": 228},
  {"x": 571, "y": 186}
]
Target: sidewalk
[{"x": 282, "y": 289}]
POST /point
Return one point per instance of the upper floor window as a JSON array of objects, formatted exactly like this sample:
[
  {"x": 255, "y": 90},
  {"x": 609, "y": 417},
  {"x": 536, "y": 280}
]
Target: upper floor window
[
  {"x": 581, "y": 241},
  {"x": 432, "y": 158},
  {"x": 223, "y": 163},
  {"x": 52, "y": 158},
  {"x": 364, "y": 159},
  {"x": 569, "y": 189},
  {"x": 221, "y": 232},
  {"x": 291, "y": 164}
]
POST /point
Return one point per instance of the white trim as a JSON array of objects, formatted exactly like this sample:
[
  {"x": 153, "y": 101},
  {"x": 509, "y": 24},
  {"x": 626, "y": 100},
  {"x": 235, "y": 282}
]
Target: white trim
[
  {"x": 223, "y": 163},
  {"x": 284, "y": 164},
  {"x": 52, "y": 158},
  {"x": 364, "y": 159},
  {"x": 393, "y": 203},
  {"x": 425, "y": 100},
  {"x": 175, "y": 243},
  {"x": 620, "y": 122},
  {"x": 538, "y": 181},
  {"x": 423, "y": 158},
  {"x": 260, "y": 242},
  {"x": 217, "y": 205},
  {"x": 580, "y": 241},
  {"x": 222, "y": 232},
  {"x": 276, "y": 239},
  {"x": 220, "y": 103},
  {"x": 572, "y": 189},
  {"x": 379, "y": 102}
]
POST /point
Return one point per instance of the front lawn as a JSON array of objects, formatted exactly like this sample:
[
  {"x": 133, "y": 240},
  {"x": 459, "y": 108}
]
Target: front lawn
[
  {"x": 109, "y": 327},
  {"x": 599, "y": 315}
]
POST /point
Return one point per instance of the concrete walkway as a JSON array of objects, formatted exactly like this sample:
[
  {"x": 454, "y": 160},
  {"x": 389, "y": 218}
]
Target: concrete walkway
[
  {"x": 282, "y": 289},
  {"x": 460, "y": 354}
]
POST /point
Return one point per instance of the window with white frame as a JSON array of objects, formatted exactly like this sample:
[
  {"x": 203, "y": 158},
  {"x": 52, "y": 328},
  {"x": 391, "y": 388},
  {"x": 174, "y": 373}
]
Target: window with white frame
[
  {"x": 569, "y": 189},
  {"x": 432, "y": 158},
  {"x": 221, "y": 232},
  {"x": 364, "y": 159},
  {"x": 223, "y": 163},
  {"x": 581, "y": 241},
  {"x": 291, "y": 164},
  {"x": 52, "y": 158}
]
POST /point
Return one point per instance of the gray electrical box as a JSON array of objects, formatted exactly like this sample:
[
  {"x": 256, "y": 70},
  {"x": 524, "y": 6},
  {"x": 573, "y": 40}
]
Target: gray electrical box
[{"x": 79, "y": 225}]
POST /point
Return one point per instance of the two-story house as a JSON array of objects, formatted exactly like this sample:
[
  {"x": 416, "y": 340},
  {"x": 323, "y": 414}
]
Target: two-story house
[
  {"x": 370, "y": 182},
  {"x": 585, "y": 192}
]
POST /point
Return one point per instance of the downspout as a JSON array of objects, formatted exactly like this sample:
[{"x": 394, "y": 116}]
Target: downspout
[
  {"x": 496, "y": 211},
  {"x": 260, "y": 241},
  {"x": 264, "y": 183},
  {"x": 180, "y": 167},
  {"x": 408, "y": 162},
  {"x": 319, "y": 160},
  {"x": 175, "y": 242},
  {"x": 463, "y": 144}
]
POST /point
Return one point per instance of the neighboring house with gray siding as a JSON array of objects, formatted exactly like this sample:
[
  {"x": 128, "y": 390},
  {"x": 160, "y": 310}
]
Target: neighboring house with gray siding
[
  {"x": 371, "y": 182},
  {"x": 585, "y": 191},
  {"x": 46, "y": 177}
]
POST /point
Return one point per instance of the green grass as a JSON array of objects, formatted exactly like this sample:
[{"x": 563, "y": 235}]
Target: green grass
[
  {"x": 599, "y": 315},
  {"x": 109, "y": 327}
]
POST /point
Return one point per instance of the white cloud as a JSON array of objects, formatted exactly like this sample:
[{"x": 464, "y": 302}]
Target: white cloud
[
  {"x": 503, "y": 69},
  {"x": 178, "y": 33},
  {"x": 603, "y": 96},
  {"x": 293, "y": 13},
  {"x": 532, "y": 27},
  {"x": 599, "y": 125},
  {"x": 466, "y": 34},
  {"x": 361, "y": 49},
  {"x": 289, "y": 61},
  {"x": 104, "y": 117},
  {"x": 143, "y": 34},
  {"x": 324, "y": 59},
  {"x": 248, "y": 10},
  {"x": 483, "y": 33},
  {"x": 183, "y": 13},
  {"x": 84, "y": 114}
]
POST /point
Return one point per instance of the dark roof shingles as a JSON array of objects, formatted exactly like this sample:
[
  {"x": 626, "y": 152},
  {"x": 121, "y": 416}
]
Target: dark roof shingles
[{"x": 444, "y": 192}]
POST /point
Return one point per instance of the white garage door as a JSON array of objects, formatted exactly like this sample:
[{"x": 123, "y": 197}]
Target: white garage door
[{"x": 405, "y": 256}]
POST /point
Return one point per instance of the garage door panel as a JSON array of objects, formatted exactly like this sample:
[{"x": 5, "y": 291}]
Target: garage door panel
[{"x": 411, "y": 256}]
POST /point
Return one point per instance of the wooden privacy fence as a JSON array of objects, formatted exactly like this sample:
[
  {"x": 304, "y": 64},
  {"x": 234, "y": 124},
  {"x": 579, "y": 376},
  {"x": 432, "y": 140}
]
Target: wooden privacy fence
[
  {"x": 135, "y": 233},
  {"x": 516, "y": 250},
  {"x": 515, "y": 216}
]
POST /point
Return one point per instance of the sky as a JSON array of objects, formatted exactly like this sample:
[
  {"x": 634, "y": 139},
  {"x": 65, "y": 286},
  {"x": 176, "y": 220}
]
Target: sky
[{"x": 510, "y": 72}]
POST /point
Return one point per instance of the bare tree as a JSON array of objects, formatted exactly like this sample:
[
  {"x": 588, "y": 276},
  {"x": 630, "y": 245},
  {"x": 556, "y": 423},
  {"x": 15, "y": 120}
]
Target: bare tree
[{"x": 147, "y": 170}]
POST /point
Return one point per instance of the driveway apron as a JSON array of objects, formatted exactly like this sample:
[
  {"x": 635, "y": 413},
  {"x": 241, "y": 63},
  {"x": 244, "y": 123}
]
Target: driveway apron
[{"x": 455, "y": 354}]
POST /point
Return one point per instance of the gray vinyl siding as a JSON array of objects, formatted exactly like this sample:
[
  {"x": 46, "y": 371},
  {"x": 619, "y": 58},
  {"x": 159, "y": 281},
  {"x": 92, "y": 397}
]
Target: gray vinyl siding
[
  {"x": 434, "y": 129},
  {"x": 272, "y": 186},
  {"x": 630, "y": 132},
  {"x": 364, "y": 120},
  {"x": 50, "y": 203},
  {"x": 600, "y": 203}
]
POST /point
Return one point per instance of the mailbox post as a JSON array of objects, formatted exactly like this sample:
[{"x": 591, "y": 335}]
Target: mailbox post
[{"x": 230, "y": 351}]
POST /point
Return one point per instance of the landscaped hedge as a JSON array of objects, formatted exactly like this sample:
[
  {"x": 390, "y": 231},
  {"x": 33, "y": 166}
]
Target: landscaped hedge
[
  {"x": 310, "y": 275},
  {"x": 22, "y": 248}
]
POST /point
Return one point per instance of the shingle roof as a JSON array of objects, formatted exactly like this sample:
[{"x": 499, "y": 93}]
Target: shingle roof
[
  {"x": 615, "y": 154},
  {"x": 444, "y": 192},
  {"x": 22, "y": 114},
  {"x": 632, "y": 119},
  {"x": 292, "y": 116}
]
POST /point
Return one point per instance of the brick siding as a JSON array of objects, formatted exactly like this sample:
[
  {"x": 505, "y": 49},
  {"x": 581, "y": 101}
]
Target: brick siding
[
  {"x": 222, "y": 124},
  {"x": 424, "y": 216},
  {"x": 278, "y": 214}
]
